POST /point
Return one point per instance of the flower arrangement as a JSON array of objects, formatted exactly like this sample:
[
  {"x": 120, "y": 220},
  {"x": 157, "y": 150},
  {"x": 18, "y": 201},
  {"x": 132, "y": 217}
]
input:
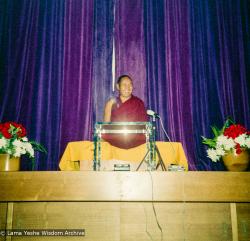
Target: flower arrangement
[
  {"x": 231, "y": 138},
  {"x": 14, "y": 141}
]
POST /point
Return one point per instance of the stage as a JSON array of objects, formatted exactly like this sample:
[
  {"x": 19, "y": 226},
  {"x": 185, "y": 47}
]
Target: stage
[{"x": 119, "y": 205}]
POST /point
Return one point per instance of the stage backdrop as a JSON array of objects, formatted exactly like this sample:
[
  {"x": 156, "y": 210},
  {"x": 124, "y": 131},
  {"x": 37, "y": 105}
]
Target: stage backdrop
[{"x": 190, "y": 61}]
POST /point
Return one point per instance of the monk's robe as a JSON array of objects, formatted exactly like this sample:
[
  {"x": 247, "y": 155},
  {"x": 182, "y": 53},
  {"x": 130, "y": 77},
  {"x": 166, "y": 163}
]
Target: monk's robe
[{"x": 132, "y": 110}]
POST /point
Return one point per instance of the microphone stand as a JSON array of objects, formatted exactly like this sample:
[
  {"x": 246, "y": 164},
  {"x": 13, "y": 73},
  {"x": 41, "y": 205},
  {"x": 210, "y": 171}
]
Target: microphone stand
[
  {"x": 160, "y": 161},
  {"x": 155, "y": 149}
]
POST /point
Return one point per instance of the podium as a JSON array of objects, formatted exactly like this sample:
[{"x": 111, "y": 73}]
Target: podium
[{"x": 119, "y": 133}]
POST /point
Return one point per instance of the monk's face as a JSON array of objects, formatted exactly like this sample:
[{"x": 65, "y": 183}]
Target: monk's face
[{"x": 125, "y": 87}]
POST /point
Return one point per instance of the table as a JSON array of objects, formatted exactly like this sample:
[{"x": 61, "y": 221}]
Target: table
[{"x": 171, "y": 153}]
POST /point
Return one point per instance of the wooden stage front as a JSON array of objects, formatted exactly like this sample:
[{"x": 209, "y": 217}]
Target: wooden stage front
[{"x": 112, "y": 206}]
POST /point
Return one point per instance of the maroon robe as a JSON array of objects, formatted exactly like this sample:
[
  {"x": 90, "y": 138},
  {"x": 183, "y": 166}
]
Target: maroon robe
[{"x": 132, "y": 110}]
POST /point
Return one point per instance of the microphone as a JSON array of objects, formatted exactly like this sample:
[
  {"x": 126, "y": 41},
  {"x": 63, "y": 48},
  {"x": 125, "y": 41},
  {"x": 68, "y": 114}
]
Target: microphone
[{"x": 153, "y": 114}]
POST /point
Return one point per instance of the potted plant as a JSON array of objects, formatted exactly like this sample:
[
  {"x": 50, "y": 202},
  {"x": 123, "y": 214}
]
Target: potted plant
[
  {"x": 231, "y": 144},
  {"x": 13, "y": 144}
]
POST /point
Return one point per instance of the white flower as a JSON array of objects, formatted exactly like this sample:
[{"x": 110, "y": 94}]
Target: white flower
[
  {"x": 28, "y": 147},
  {"x": 24, "y": 139},
  {"x": 3, "y": 142},
  {"x": 241, "y": 139},
  {"x": 20, "y": 148},
  {"x": 31, "y": 152},
  {"x": 221, "y": 140},
  {"x": 225, "y": 143},
  {"x": 212, "y": 154},
  {"x": 229, "y": 144},
  {"x": 16, "y": 146},
  {"x": 19, "y": 151},
  {"x": 17, "y": 143},
  {"x": 247, "y": 142},
  {"x": 220, "y": 151},
  {"x": 17, "y": 154}
]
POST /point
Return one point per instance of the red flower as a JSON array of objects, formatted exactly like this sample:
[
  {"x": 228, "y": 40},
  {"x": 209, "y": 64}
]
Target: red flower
[
  {"x": 238, "y": 149},
  {"x": 234, "y": 131},
  {"x": 6, "y": 125},
  {"x": 6, "y": 133},
  {"x": 14, "y": 124},
  {"x": 22, "y": 131},
  {"x": 5, "y": 129}
]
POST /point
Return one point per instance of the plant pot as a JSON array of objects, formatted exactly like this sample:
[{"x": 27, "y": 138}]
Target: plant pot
[
  {"x": 9, "y": 164},
  {"x": 236, "y": 163}
]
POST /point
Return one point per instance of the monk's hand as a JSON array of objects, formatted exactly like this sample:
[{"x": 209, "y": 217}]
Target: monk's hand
[
  {"x": 112, "y": 101},
  {"x": 108, "y": 109}
]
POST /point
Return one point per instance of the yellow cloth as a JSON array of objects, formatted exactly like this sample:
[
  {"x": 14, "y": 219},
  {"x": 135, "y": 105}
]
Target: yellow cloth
[{"x": 171, "y": 153}]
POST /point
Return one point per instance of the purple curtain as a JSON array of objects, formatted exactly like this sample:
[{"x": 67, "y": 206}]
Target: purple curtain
[
  {"x": 77, "y": 104},
  {"x": 169, "y": 78},
  {"x": 46, "y": 65},
  {"x": 102, "y": 55},
  {"x": 220, "y": 56},
  {"x": 189, "y": 60},
  {"x": 32, "y": 71},
  {"x": 129, "y": 44}
]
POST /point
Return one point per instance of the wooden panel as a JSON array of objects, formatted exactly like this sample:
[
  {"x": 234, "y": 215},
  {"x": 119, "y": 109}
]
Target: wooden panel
[
  {"x": 100, "y": 220},
  {"x": 3, "y": 213},
  {"x": 3, "y": 210},
  {"x": 125, "y": 186},
  {"x": 234, "y": 221},
  {"x": 218, "y": 186},
  {"x": 127, "y": 221},
  {"x": 179, "y": 221},
  {"x": 243, "y": 216}
]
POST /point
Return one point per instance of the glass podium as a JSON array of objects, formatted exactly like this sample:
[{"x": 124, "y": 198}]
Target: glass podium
[{"x": 125, "y": 134}]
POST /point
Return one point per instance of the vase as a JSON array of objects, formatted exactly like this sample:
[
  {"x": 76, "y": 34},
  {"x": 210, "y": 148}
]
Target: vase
[
  {"x": 9, "y": 164},
  {"x": 236, "y": 163}
]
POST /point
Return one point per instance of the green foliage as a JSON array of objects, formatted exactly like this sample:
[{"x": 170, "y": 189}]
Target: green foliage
[
  {"x": 211, "y": 142},
  {"x": 38, "y": 147}
]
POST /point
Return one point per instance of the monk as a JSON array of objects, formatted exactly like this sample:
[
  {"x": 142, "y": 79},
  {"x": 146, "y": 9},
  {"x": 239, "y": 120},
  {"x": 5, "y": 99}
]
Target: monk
[{"x": 125, "y": 108}]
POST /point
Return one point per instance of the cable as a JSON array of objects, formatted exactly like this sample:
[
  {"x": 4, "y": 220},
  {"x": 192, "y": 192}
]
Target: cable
[
  {"x": 156, "y": 218},
  {"x": 164, "y": 129},
  {"x": 148, "y": 233},
  {"x": 170, "y": 142}
]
